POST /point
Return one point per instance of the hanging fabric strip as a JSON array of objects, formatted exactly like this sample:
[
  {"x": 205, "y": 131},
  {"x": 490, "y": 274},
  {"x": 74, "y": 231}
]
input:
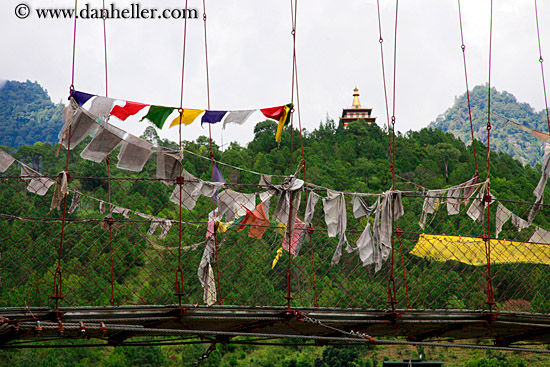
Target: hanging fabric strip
[
  {"x": 212, "y": 117},
  {"x": 129, "y": 109},
  {"x": 81, "y": 97},
  {"x": 134, "y": 153},
  {"x": 518, "y": 222},
  {"x": 539, "y": 190},
  {"x": 101, "y": 107},
  {"x": 334, "y": 206},
  {"x": 299, "y": 228},
  {"x": 540, "y": 236},
  {"x": 217, "y": 177},
  {"x": 233, "y": 204},
  {"x": 79, "y": 122},
  {"x": 168, "y": 165},
  {"x": 205, "y": 272},
  {"x": 158, "y": 115},
  {"x": 75, "y": 202},
  {"x": 187, "y": 118},
  {"x": 237, "y": 117},
  {"x": 432, "y": 197},
  {"x": 38, "y": 184},
  {"x": 6, "y": 161},
  {"x": 190, "y": 191},
  {"x": 103, "y": 143},
  {"x": 360, "y": 208},
  {"x": 501, "y": 217},
  {"x": 61, "y": 190},
  {"x": 312, "y": 200}
]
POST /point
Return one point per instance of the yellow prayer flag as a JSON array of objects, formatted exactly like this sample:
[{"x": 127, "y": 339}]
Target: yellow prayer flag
[
  {"x": 276, "y": 259},
  {"x": 187, "y": 117},
  {"x": 282, "y": 123},
  {"x": 471, "y": 250}
]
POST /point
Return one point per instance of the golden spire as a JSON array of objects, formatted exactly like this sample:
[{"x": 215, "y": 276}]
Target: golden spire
[{"x": 356, "y": 103}]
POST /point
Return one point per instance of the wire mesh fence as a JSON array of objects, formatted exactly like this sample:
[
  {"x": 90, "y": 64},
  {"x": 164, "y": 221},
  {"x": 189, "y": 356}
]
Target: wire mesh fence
[{"x": 122, "y": 246}]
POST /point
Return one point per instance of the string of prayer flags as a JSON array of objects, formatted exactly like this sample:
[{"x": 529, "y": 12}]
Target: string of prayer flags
[
  {"x": 212, "y": 117},
  {"x": 186, "y": 117},
  {"x": 129, "y": 109},
  {"x": 158, "y": 115},
  {"x": 237, "y": 117},
  {"x": 81, "y": 97}
]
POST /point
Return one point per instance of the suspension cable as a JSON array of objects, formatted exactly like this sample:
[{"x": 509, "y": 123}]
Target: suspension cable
[
  {"x": 542, "y": 66},
  {"x": 463, "y": 47}
]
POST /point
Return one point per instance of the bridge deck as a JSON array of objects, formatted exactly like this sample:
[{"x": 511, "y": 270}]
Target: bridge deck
[{"x": 221, "y": 323}]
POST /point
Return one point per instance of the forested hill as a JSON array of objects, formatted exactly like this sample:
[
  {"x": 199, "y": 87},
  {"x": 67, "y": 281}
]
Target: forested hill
[
  {"x": 27, "y": 114},
  {"x": 505, "y": 137}
]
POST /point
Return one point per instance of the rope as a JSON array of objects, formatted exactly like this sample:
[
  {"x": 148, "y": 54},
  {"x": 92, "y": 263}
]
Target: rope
[
  {"x": 211, "y": 155},
  {"x": 104, "y": 15},
  {"x": 74, "y": 46},
  {"x": 179, "y": 272},
  {"x": 487, "y": 198},
  {"x": 391, "y": 279},
  {"x": 542, "y": 66},
  {"x": 463, "y": 47}
]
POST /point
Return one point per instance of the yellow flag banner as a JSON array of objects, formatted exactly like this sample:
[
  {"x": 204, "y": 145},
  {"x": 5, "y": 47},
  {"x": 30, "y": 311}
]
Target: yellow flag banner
[
  {"x": 187, "y": 117},
  {"x": 471, "y": 250}
]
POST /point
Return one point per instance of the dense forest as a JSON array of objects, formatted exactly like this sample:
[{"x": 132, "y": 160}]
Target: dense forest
[
  {"x": 355, "y": 159},
  {"x": 27, "y": 114},
  {"x": 505, "y": 136}
]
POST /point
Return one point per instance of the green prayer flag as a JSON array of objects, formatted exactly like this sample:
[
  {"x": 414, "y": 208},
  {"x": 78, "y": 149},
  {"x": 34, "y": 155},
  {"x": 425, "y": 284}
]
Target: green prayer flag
[{"x": 158, "y": 115}]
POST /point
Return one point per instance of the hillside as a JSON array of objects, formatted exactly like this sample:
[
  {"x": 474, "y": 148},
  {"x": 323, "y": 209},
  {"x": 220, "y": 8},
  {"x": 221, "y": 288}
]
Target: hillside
[
  {"x": 355, "y": 160},
  {"x": 505, "y": 137},
  {"x": 27, "y": 115}
]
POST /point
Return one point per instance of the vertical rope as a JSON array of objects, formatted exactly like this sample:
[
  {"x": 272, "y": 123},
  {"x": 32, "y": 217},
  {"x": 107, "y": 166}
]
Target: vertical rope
[
  {"x": 463, "y": 47},
  {"x": 542, "y": 67},
  {"x": 220, "y": 299},
  {"x": 74, "y": 45},
  {"x": 487, "y": 198},
  {"x": 391, "y": 281},
  {"x": 180, "y": 181},
  {"x": 57, "y": 293}
]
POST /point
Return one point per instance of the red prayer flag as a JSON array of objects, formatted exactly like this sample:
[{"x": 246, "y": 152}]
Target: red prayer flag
[
  {"x": 274, "y": 113},
  {"x": 129, "y": 109}
]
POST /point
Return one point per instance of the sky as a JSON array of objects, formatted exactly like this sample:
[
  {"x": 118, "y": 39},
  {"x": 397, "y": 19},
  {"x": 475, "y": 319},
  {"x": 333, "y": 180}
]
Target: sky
[{"x": 250, "y": 53}]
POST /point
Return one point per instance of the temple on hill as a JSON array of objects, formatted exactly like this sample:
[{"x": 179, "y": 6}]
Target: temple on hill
[{"x": 356, "y": 112}]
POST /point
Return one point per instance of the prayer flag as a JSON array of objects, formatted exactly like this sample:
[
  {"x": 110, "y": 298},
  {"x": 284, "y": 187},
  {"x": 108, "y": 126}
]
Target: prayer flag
[
  {"x": 187, "y": 117},
  {"x": 158, "y": 115},
  {"x": 281, "y": 114},
  {"x": 237, "y": 117},
  {"x": 81, "y": 97},
  {"x": 129, "y": 109},
  {"x": 212, "y": 117},
  {"x": 217, "y": 177}
]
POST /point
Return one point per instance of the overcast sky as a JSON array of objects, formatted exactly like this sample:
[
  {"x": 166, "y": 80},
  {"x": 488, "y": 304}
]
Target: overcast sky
[{"x": 250, "y": 56}]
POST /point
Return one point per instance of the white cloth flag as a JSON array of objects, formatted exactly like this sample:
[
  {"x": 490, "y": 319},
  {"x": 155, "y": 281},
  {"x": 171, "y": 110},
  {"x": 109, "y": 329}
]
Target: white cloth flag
[{"x": 237, "y": 117}]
